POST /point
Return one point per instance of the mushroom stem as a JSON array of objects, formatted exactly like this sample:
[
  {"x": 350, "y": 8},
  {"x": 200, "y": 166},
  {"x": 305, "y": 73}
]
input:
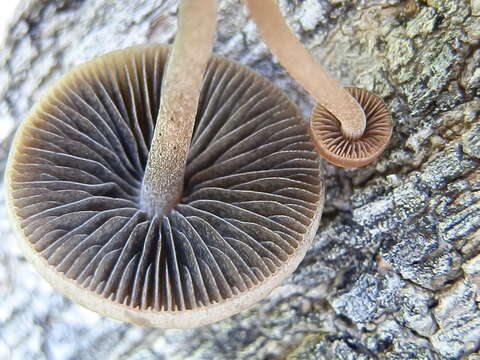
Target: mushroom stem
[
  {"x": 163, "y": 180},
  {"x": 305, "y": 70}
]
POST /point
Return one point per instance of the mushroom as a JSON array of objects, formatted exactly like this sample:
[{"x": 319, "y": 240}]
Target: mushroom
[
  {"x": 350, "y": 127},
  {"x": 165, "y": 186}
]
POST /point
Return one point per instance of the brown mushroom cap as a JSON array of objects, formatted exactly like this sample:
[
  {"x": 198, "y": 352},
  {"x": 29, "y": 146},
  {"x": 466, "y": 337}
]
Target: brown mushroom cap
[
  {"x": 252, "y": 197},
  {"x": 332, "y": 144},
  {"x": 339, "y": 125}
]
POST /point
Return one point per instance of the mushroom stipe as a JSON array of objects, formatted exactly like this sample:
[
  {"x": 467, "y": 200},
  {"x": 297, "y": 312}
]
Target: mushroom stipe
[
  {"x": 251, "y": 203},
  {"x": 339, "y": 126}
]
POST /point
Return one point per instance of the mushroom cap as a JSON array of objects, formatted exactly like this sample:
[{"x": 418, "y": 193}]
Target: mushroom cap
[
  {"x": 251, "y": 204},
  {"x": 334, "y": 147}
]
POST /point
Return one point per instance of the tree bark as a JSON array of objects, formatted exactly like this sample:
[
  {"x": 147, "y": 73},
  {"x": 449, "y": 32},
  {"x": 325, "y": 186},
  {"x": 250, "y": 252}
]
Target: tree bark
[{"x": 394, "y": 272}]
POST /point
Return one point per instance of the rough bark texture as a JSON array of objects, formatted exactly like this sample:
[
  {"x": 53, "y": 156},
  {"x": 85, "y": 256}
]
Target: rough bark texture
[{"x": 394, "y": 272}]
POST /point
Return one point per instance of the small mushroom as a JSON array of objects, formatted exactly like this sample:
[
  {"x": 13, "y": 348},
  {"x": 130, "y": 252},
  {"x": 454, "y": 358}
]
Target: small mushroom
[
  {"x": 165, "y": 187},
  {"x": 350, "y": 127}
]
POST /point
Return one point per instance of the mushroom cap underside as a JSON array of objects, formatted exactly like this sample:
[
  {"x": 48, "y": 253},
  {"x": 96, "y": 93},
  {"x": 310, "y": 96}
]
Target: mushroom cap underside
[
  {"x": 333, "y": 146},
  {"x": 252, "y": 199}
]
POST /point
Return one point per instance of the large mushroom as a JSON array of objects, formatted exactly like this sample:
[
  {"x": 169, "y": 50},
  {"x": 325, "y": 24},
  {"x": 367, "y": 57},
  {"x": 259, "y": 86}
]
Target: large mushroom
[{"x": 165, "y": 187}]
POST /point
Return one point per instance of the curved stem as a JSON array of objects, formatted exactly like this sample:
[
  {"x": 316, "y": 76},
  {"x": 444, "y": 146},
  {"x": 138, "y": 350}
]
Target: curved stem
[
  {"x": 182, "y": 82},
  {"x": 304, "y": 69}
]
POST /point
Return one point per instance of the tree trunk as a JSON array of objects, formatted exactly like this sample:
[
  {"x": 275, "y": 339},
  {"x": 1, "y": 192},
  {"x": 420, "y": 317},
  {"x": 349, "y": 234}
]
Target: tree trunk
[{"x": 394, "y": 272}]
